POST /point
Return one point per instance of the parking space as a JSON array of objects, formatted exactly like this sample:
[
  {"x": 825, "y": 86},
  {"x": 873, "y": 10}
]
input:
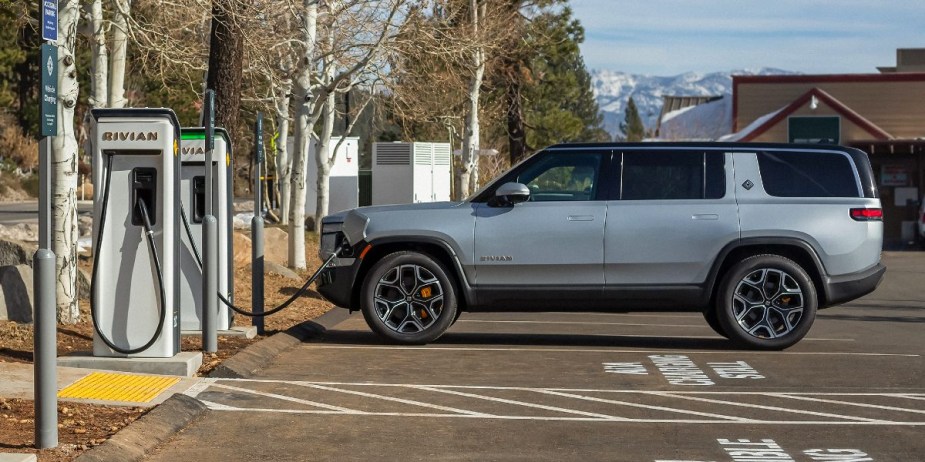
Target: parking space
[{"x": 554, "y": 386}]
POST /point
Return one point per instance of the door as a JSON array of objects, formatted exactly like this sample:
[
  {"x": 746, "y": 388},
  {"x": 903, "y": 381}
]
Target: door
[
  {"x": 556, "y": 237},
  {"x": 674, "y": 211}
]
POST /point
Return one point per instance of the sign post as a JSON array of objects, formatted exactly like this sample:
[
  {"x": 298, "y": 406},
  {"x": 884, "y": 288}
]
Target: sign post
[{"x": 45, "y": 344}]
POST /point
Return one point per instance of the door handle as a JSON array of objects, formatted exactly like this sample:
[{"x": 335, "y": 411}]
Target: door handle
[
  {"x": 705, "y": 216},
  {"x": 581, "y": 218}
]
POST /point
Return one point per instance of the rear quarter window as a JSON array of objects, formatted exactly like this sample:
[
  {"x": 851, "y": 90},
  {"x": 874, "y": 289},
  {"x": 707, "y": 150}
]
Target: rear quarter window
[{"x": 808, "y": 174}]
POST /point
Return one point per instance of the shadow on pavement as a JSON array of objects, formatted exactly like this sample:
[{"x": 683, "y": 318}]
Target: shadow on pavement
[{"x": 355, "y": 337}]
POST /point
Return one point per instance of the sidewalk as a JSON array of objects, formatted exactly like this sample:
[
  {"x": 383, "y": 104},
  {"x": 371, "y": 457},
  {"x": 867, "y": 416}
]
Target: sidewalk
[{"x": 138, "y": 390}]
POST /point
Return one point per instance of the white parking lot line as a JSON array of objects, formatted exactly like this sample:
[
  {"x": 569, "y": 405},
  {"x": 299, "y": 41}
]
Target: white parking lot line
[
  {"x": 846, "y": 403},
  {"x": 522, "y": 403},
  {"x": 763, "y": 407},
  {"x": 397, "y": 400},
  {"x": 582, "y": 395},
  {"x": 286, "y": 398},
  {"x": 643, "y": 406}
]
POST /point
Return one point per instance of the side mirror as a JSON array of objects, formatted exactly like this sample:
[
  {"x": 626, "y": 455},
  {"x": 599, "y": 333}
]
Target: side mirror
[{"x": 510, "y": 194}]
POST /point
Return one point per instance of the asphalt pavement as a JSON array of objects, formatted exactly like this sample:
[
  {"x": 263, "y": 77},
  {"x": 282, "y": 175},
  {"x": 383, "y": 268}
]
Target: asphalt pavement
[{"x": 588, "y": 386}]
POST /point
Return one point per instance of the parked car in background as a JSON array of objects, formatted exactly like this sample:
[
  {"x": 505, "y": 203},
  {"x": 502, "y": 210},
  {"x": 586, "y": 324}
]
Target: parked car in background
[{"x": 756, "y": 237}]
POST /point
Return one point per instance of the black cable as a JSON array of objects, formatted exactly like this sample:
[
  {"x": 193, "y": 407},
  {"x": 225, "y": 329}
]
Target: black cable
[
  {"x": 241, "y": 311},
  {"x": 152, "y": 247}
]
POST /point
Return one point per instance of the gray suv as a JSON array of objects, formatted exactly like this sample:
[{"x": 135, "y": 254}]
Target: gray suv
[{"x": 757, "y": 237}]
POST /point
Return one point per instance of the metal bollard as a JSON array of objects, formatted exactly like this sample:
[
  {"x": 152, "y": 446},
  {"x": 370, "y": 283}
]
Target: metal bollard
[
  {"x": 209, "y": 284},
  {"x": 257, "y": 298},
  {"x": 46, "y": 350}
]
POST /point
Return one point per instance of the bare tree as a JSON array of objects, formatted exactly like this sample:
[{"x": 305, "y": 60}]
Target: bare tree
[
  {"x": 95, "y": 31},
  {"x": 64, "y": 169},
  {"x": 468, "y": 176},
  {"x": 120, "y": 24},
  {"x": 439, "y": 71}
]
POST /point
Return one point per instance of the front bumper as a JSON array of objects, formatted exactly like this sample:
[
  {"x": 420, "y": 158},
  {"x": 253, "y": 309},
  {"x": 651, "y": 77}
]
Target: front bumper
[
  {"x": 336, "y": 283},
  {"x": 844, "y": 288}
]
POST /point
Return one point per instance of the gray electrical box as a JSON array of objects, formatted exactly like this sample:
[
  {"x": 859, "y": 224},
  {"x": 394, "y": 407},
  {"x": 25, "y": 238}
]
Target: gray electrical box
[
  {"x": 192, "y": 197},
  {"x": 141, "y": 146}
]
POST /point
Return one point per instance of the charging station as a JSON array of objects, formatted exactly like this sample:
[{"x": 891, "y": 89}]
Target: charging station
[
  {"x": 192, "y": 198},
  {"x": 134, "y": 296}
]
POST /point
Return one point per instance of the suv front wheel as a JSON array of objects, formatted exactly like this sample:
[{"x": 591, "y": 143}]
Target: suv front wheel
[
  {"x": 408, "y": 297},
  {"x": 766, "y": 302}
]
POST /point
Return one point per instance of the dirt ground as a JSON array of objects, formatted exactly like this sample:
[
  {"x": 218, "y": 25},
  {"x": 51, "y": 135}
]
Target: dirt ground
[{"x": 82, "y": 426}]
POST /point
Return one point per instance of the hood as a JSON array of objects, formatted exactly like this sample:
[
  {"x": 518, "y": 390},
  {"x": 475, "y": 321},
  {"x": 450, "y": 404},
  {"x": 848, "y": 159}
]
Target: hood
[
  {"x": 354, "y": 221},
  {"x": 369, "y": 210}
]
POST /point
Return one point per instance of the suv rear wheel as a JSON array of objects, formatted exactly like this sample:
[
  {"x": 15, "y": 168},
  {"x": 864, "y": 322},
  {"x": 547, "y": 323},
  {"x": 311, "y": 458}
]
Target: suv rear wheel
[
  {"x": 408, "y": 297},
  {"x": 766, "y": 302}
]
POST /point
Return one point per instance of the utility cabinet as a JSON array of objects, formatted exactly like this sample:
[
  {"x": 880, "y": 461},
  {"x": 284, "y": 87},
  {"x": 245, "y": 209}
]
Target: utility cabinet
[
  {"x": 343, "y": 184},
  {"x": 405, "y": 172}
]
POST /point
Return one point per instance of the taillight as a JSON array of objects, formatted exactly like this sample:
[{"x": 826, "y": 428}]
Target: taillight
[
  {"x": 923, "y": 217},
  {"x": 867, "y": 214}
]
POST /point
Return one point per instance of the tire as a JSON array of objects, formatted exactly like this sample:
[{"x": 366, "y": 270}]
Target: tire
[
  {"x": 713, "y": 320},
  {"x": 408, "y": 298},
  {"x": 766, "y": 302}
]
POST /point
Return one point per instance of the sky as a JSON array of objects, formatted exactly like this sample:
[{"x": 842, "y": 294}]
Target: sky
[{"x": 670, "y": 37}]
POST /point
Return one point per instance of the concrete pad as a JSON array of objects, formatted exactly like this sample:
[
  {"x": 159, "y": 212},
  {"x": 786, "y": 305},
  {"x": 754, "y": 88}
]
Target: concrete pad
[
  {"x": 18, "y": 457},
  {"x": 235, "y": 331},
  {"x": 184, "y": 364}
]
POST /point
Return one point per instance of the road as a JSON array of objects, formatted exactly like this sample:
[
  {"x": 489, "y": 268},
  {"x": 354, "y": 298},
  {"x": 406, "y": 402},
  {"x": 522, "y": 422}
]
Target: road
[
  {"x": 12, "y": 213},
  {"x": 588, "y": 386}
]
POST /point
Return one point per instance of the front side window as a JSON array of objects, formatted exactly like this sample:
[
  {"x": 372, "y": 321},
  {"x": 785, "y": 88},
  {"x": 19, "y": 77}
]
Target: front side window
[
  {"x": 562, "y": 176},
  {"x": 656, "y": 175}
]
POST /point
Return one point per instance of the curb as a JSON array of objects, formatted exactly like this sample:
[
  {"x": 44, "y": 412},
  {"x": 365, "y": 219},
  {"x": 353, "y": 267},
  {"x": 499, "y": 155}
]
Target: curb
[
  {"x": 249, "y": 361},
  {"x": 134, "y": 442}
]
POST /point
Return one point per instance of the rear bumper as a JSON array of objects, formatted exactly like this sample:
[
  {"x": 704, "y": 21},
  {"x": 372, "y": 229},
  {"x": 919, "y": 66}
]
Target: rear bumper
[{"x": 847, "y": 287}]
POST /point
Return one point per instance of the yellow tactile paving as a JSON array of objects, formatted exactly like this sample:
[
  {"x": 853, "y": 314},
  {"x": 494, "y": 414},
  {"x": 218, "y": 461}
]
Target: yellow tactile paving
[{"x": 107, "y": 386}]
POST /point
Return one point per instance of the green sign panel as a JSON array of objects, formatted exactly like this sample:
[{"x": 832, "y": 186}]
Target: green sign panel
[
  {"x": 49, "y": 70},
  {"x": 815, "y": 130}
]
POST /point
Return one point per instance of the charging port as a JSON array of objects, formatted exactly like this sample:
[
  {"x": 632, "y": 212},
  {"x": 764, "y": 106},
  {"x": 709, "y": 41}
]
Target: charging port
[
  {"x": 199, "y": 198},
  {"x": 144, "y": 188}
]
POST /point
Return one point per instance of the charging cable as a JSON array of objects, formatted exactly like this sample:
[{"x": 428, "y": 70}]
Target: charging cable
[
  {"x": 274, "y": 310},
  {"x": 152, "y": 252}
]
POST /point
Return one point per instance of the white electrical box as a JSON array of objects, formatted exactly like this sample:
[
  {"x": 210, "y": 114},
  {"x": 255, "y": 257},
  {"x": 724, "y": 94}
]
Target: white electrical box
[
  {"x": 404, "y": 173},
  {"x": 343, "y": 183}
]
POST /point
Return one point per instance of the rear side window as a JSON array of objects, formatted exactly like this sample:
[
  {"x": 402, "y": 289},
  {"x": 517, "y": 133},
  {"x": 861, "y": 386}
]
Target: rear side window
[
  {"x": 655, "y": 175},
  {"x": 807, "y": 174}
]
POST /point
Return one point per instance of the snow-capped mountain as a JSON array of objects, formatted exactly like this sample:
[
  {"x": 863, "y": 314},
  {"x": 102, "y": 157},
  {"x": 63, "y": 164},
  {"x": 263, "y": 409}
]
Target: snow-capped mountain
[{"x": 613, "y": 89}]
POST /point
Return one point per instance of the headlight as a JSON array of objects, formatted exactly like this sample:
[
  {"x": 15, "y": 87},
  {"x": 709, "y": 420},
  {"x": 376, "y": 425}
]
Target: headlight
[{"x": 331, "y": 237}]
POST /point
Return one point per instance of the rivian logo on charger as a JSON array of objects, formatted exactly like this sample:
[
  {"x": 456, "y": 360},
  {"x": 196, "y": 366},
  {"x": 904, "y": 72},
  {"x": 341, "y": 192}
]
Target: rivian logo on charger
[
  {"x": 129, "y": 136},
  {"x": 188, "y": 150},
  {"x": 496, "y": 258}
]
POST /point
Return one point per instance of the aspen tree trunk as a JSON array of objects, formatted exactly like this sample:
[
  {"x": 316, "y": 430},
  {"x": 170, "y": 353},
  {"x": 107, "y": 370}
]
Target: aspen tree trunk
[
  {"x": 468, "y": 175},
  {"x": 325, "y": 155},
  {"x": 99, "y": 65},
  {"x": 283, "y": 157},
  {"x": 303, "y": 132},
  {"x": 123, "y": 10},
  {"x": 64, "y": 167}
]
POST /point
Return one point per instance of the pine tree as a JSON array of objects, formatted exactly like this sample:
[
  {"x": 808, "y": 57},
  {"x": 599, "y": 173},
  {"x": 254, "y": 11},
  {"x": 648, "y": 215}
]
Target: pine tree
[
  {"x": 632, "y": 127},
  {"x": 557, "y": 102}
]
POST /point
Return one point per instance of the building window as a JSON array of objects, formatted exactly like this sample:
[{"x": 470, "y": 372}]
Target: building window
[{"x": 814, "y": 130}]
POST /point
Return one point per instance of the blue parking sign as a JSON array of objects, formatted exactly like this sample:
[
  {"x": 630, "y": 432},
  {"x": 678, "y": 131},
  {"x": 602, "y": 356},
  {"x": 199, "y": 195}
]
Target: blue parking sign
[{"x": 50, "y": 20}]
